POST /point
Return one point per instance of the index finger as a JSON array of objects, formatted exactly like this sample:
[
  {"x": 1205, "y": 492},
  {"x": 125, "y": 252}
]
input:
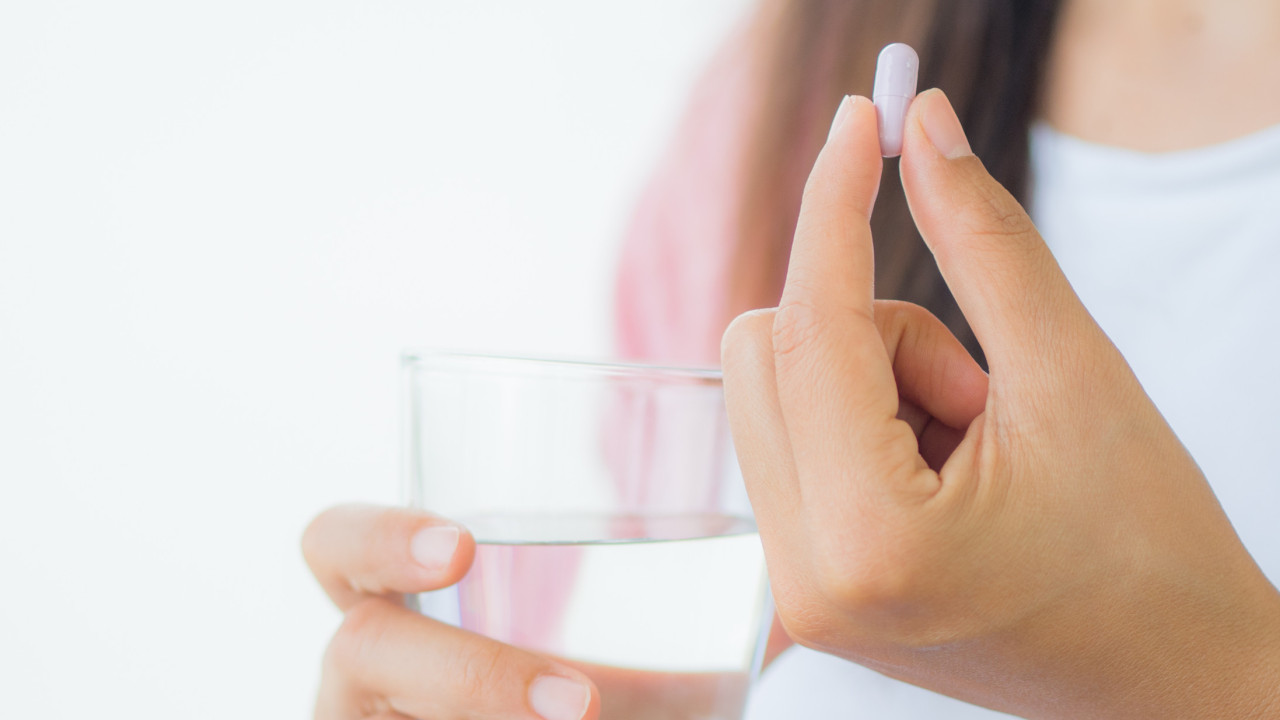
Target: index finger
[
  {"x": 832, "y": 267},
  {"x": 358, "y": 551},
  {"x": 836, "y": 386}
]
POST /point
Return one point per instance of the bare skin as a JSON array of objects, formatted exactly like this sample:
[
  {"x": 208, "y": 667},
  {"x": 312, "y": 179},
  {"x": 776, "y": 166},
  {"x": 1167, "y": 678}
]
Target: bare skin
[
  {"x": 1119, "y": 69},
  {"x": 1036, "y": 541},
  {"x": 1086, "y": 612}
]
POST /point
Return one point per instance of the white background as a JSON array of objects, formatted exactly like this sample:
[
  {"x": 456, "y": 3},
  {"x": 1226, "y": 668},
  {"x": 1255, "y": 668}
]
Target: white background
[{"x": 219, "y": 224}]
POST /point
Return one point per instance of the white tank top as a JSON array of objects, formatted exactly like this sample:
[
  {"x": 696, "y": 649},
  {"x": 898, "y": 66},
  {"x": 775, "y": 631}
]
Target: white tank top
[{"x": 1176, "y": 256}]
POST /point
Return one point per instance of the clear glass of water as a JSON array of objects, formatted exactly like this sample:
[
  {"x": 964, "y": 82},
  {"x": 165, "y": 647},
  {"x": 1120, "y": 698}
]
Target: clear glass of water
[{"x": 613, "y": 529}]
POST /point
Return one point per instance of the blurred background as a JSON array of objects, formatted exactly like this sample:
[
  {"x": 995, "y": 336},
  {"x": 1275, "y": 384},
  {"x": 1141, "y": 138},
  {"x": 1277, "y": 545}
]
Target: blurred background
[{"x": 219, "y": 225}]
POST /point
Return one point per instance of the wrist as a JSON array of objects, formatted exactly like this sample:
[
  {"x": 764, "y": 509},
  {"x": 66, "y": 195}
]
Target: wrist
[
  {"x": 1233, "y": 671},
  {"x": 1258, "y": 695}
]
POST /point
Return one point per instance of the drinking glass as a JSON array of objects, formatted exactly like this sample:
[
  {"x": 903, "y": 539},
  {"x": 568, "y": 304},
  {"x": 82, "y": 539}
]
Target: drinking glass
[{"x": 612, "y": 526}]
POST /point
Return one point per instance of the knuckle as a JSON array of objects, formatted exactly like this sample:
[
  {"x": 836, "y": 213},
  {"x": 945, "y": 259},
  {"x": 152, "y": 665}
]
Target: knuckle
[
  {"x": 481, "y": 667},
  {"x": 836, "y": 221},
  {"x": 312, "y": 537},
  {"x": 322, "y": 534},
  {"x": 890, "y": 594},
  {"x": 860, "y": 582},
  {"x": 894, "y": 319},
  {"x": 796, "y": 327},
  {"x": 1007, "y": 218},
  {"x": 812, "y": 196},
  {"x": 745, "y": 339},
  {"x": 852, "y": 610},
  {"x": 856, "y": 579},
  {"x": 995, "y": 213},
  {"x": 805, "y": 624},
  {"x": 819, "y": 202},
  {"x": 800, "y": 609},
  {"x": 309, "y": 545},
  {"x": 359, "y": 636},
  {"x": 845, "y": 599}
]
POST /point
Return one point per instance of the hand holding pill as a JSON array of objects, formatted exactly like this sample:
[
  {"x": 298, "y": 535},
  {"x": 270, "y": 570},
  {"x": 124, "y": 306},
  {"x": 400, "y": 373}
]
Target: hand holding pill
[{"x": 955, "y": 529}]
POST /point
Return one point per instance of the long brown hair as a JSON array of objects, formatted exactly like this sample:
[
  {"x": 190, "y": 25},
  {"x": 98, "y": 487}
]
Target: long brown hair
[{"x": 987, "y": 55}]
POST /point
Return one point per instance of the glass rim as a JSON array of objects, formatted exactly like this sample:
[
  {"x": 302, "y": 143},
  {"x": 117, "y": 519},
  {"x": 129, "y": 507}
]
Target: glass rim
[{"x": 527, "y": 365}]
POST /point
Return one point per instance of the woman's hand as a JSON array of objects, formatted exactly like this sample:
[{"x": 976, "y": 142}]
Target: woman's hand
[
  {"x": 1037, "y": 541},
  {"x": 387, "y": 661}
]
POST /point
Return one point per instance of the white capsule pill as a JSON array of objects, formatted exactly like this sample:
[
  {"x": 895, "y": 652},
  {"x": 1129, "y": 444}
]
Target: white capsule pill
[{"x": 896, "y": 73}]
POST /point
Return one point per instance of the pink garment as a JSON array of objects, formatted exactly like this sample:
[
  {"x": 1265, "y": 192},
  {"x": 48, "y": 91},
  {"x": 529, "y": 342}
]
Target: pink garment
[
  {"x": 670, "y": 309},
  {"x": 670, "y": 302}
]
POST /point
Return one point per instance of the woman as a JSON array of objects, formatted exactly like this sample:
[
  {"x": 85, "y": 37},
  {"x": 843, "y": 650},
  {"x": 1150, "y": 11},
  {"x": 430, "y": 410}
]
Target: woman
[{"x": 1041, "y": 542}]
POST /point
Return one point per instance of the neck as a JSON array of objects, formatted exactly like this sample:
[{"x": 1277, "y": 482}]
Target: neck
[
  {"x": 1161, "y": 75},
  {"x": 1184, "y": 16}
]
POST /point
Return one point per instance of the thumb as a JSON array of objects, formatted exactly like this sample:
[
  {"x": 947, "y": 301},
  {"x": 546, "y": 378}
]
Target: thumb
[{"x": 1001, "y": 273}]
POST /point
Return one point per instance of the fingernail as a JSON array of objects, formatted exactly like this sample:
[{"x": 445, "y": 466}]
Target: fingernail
[
  {"x": 433, "y": 547},
  {"x": 559, "y": 698},
  {"x": 943, "y": 127},
  {"x": 842, "y": 114}
]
